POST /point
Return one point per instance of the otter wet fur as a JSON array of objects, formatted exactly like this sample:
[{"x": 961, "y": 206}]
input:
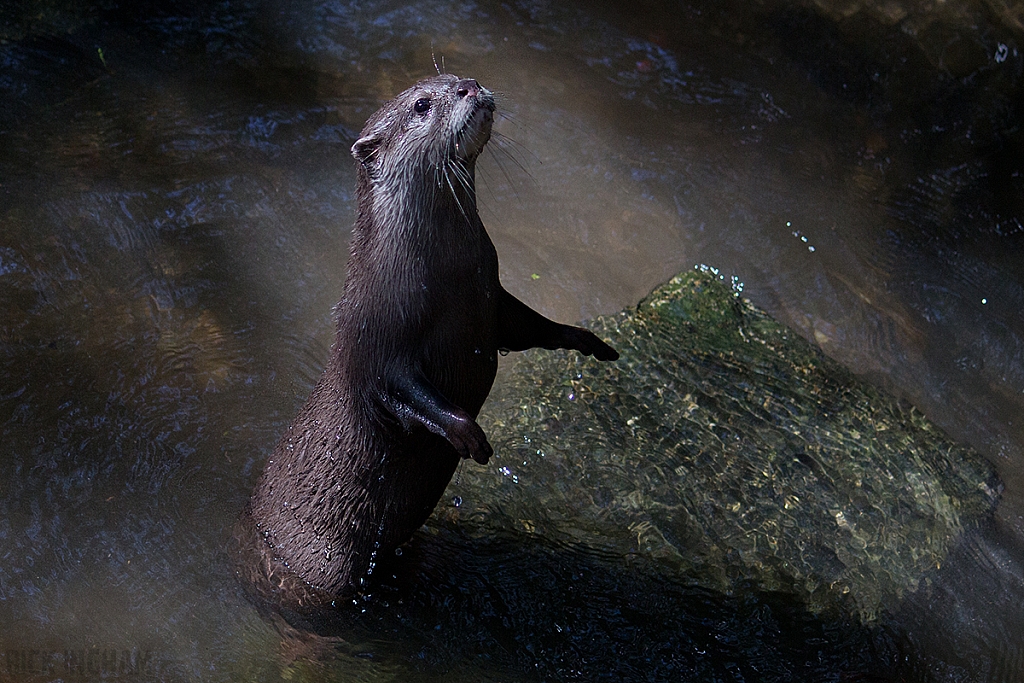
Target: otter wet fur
[{"x": 420, "y": 325}]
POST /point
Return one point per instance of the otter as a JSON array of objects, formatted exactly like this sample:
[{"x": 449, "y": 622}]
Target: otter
[{"x": 421, "y": 321}]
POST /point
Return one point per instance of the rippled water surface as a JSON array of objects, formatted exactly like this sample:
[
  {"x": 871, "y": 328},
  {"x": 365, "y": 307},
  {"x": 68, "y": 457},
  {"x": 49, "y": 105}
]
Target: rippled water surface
[{"x": 176, "y": 195}]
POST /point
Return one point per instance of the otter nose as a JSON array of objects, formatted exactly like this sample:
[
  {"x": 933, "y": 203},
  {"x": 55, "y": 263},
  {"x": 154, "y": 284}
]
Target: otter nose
[{"x": 467, "y": 88}]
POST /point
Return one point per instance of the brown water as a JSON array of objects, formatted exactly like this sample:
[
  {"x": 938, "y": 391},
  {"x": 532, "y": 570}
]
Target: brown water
[{"x": 173, "y": 232}]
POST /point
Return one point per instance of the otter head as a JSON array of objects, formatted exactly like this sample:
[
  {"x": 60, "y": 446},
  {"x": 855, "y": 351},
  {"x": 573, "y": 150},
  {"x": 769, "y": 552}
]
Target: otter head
[{"x": 437, "y": 128}]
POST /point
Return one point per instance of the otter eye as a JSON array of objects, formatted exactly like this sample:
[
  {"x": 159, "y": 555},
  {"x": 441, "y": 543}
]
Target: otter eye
[{"x": 422, "y": 106}]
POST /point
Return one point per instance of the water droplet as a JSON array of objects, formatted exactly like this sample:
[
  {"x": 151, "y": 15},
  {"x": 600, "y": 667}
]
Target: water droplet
[
  {"x": 398, "y": 552},
  {"x": 572, "y": 396},
  {"x": 457, "y": 501}
]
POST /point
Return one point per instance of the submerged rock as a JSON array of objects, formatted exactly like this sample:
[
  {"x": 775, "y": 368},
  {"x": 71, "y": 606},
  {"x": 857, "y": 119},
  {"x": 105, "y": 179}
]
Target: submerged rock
[{"x": 727, "y": 450}]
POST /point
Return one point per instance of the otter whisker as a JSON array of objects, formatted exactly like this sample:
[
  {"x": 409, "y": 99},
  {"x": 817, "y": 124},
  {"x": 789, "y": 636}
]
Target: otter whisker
[
  {"x": 507, "y": 145},
  {"x": 441, "y": 167},
  {"x": 512, "y": 120},
  {"x": 461, "y": 174},
  {"x": 504, "y": 172},
  {"x": 500, "y": 97},
  {"x": 455, "y": 195},
  {"x": 501, "y": 154},
  {"x": 497, "y": 153},
  {"x": 456, "y": 163},
  {"x": 450, "y": 160}
]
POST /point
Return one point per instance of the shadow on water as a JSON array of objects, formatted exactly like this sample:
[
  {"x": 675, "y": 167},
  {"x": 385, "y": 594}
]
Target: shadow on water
[
  {"x": 520, "y": 606},
  {"x": 175, "y": 193}
]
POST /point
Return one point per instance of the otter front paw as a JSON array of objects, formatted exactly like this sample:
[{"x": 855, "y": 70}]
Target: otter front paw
[
  {"x": 470, "y": 442},
  {"x": 587, "y": 343}
]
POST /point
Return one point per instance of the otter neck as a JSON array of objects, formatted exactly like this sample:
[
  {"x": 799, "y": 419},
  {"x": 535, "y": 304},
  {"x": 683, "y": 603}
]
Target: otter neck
[
  {"x": 456, "y": 187},
  {"x": 448, "y": 203}
]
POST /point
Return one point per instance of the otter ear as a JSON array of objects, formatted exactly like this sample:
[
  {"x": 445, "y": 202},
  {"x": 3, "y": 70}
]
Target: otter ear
[{"x": 365, "y": 147}]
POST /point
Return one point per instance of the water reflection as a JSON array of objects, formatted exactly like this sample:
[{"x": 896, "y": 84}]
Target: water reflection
[{"x": 174, "y": 219}]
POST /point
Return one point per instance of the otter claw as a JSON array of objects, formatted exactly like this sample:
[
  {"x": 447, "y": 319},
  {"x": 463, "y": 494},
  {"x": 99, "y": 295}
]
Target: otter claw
[
  {"x": 471, "y": 443},
  {"x": 603, "y": 352},
  {"x": 483, "y": 457},
  {"x": 589, "y": 344}
]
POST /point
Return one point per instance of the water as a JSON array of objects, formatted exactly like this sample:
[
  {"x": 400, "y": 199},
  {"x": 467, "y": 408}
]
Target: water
[{"x": 174, "y": 222}]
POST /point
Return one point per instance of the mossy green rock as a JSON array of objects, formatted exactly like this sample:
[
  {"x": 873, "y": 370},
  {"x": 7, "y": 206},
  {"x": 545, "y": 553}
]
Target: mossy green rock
[{"x": 727, "y": 450}]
